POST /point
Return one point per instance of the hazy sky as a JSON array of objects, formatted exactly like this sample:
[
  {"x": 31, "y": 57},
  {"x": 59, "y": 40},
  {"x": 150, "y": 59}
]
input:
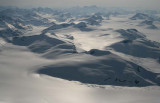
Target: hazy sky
[{"x": 151, "y": 4}]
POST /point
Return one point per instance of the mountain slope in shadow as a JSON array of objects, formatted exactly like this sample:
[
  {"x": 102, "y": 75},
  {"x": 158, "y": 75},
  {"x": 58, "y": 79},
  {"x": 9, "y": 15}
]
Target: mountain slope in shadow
[{"x": 112, "y": 70}]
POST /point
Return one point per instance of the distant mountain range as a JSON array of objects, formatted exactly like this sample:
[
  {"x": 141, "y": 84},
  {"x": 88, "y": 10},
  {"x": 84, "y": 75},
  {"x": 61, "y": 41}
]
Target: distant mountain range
[{"x": 66, "y": 34}]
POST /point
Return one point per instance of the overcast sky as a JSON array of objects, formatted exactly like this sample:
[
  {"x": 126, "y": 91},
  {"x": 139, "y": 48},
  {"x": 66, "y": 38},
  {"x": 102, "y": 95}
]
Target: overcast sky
[{"x": 150, "y": 4}]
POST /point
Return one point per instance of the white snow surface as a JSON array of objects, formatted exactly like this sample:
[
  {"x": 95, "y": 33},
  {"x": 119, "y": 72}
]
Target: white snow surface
[
  {"x": 35, "y": 30},
  {"x": 20, "y": 83},
  {"x": 123, "y": 22}
]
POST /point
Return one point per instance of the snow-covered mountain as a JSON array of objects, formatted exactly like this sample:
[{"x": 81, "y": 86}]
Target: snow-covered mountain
[
  {"x": 147, "y": 21},
  {"x": 141, "y": 16},
  {"x": 50, "y": 47},
  {"x": 149, "y": 24}
]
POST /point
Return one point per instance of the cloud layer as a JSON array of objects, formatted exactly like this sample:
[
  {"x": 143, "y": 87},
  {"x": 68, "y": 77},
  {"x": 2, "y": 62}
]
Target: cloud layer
[{"x": 151, "y": 4}]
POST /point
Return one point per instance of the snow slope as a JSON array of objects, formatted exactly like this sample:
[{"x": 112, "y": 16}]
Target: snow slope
[
  {"x": 19, "y": 84},
  {"x": 91, "y": 59}
]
